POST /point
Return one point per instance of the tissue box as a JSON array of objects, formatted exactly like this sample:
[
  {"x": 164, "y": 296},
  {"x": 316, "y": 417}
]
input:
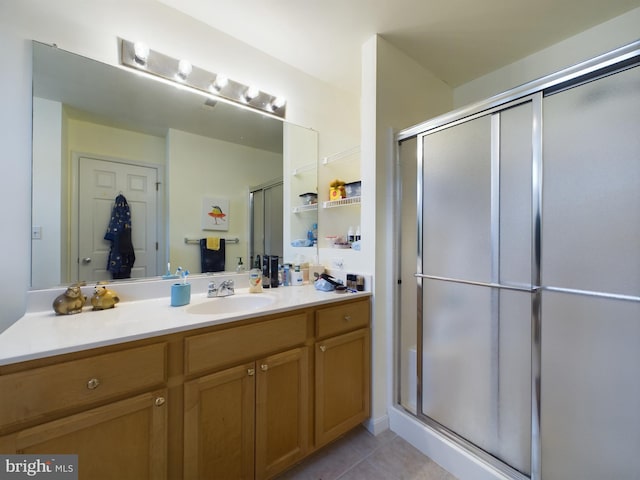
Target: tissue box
[
  {"x": 353, "y": 189},
  {"x": 309, "y": 198}
]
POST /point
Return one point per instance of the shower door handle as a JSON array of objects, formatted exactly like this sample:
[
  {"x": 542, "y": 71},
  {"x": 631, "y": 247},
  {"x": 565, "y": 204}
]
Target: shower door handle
[{"x": 517, "y": 288}]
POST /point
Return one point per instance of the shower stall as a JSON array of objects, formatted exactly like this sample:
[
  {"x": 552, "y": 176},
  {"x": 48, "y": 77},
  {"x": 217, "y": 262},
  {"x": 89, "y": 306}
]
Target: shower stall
[{"x": 518, "y": 322}]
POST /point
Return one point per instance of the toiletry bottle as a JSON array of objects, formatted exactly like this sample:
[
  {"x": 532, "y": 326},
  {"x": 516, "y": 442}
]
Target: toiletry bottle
[
  {"x": 266, "y": 278},
  {"x": 273, "y": 270},
  {"x": 255, "y": 280},
  {"x": 350, "y": 235},
  {"x": 358, "y": 234},
  {"x": 240, "y": 267},
  {"x": 296, "y": 276},
  {"x": 286, "y": 275}
]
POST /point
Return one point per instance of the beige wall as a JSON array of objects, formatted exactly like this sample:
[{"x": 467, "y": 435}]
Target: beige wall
[
  {"x": 203, "y": 167},
  {"x": 397, "y": 93}
]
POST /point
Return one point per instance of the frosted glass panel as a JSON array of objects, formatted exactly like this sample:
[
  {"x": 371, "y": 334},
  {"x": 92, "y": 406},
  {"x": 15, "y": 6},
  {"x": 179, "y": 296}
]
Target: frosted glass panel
[
  {"x": 457, "y": 201},
  {"x": 515, "y": 195},
  {"x": 408, "y": 266},
  {"x": 591, "y": 215},
  {"x": 590, "y": 388},
  {"x": 476, "y": 363}
]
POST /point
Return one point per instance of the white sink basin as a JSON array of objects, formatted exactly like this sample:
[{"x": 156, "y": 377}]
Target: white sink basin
[{"x": 232, "y": 304}]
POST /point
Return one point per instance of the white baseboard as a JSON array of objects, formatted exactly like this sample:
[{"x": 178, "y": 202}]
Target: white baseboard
[
  {"x": 377, "y": 425},
  {"x": 445, "y": 453}
]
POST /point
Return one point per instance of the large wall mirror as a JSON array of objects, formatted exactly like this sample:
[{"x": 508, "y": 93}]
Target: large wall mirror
[{"x": 100, "y": 131}]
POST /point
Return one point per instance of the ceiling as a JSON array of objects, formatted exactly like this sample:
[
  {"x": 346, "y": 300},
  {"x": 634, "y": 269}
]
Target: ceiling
[{"x": 457, "y": 40}]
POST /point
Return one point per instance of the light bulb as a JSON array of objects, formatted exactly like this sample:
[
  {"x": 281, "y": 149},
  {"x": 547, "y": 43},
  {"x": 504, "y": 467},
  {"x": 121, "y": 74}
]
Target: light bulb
[
  {"x": 278, "y": 103},
  {"x": 140, "y": 53},
  {"x": 251, "y": 93},
  {"x": 220, "y": 82},
  {"x": 184, "y": 69}
]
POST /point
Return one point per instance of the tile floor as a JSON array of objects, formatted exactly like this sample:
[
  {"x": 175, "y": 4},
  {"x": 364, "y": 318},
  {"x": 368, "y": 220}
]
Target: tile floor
[{"x": 360, "y": 455}]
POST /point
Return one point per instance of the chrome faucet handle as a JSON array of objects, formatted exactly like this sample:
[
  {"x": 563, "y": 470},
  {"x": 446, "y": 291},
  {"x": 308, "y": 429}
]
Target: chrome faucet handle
[
  {"x": 212, "y": 291},
  {"x": 226, "y": 288}
]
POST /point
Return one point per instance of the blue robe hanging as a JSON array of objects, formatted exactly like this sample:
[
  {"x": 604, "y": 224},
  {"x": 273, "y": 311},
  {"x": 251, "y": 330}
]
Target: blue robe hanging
[{"x": 121, "y": 255}]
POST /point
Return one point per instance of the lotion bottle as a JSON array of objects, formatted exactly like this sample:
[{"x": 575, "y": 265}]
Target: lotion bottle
[{"x": 255, "y": 280}]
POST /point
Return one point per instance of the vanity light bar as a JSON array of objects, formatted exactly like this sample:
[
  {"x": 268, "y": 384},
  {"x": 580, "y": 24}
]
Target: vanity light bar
[{"x": 141, "y": 58}]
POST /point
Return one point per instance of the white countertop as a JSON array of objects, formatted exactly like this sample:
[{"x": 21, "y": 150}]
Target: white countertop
[{"x": 43, "y": 334}]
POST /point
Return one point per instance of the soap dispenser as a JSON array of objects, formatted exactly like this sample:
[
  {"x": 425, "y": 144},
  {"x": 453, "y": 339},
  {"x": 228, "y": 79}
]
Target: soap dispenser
[{"x": 240, "y": 266}]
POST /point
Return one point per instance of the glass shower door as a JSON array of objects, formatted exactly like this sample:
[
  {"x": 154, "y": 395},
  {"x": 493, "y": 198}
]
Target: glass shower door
[
  {"x": 475, "y": 283},
  {"x": 591, "y": 273}
]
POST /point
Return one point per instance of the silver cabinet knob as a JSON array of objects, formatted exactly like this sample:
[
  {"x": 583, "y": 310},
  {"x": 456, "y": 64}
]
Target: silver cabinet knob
[
  {"x": 264, "y": 367},
  {"x": 160, "y": 401},
  {"x": 347, "y": 318},
  {"x": 86, "y": 260},
  {"x": 251, "y": 372},
  {"x": 323, "y": 348},
  {"x": 93, "y": 384}
]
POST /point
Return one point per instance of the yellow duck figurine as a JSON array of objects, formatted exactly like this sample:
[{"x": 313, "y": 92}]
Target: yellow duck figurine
[
  {"x": 70, "y": 302},
  {"x": 103, "y": 298}
]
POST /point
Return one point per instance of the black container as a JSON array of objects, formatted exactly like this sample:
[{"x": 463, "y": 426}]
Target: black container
[
  {"x": 273, "y": 270},
  {"x": 266, "y": 279}
]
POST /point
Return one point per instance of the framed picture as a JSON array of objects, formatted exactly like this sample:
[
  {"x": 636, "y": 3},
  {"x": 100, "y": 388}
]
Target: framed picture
[{"x": 215, "y": 213}]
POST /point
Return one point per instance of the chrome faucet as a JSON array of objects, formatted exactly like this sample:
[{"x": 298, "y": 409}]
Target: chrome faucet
[{"x": 225, "y": 289}]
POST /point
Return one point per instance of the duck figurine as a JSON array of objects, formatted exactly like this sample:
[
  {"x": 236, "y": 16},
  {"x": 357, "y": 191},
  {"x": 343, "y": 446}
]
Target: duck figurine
[
  {"x": 103, "y": 298},
  {"x": 70, "y": 302}
]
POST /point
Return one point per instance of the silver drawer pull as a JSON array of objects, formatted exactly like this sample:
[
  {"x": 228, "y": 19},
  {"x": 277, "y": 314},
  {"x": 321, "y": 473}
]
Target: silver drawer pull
[
  {"x": 160, "y": 401},
  {"x": 347, "y": 318},
  {"x": 93, "y": 384}
]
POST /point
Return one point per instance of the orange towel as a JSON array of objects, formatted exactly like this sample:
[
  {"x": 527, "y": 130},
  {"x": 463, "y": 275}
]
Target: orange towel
[{"x": 213, "y": 243}]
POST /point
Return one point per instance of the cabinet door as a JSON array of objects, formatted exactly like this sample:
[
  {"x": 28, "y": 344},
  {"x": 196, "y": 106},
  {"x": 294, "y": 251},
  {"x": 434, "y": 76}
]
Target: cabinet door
[
  {"x": 342, "y": 383},
  {"x": 219, "y": 424},
  {"x": 123, "y": 440},
  {"x": 282, "y": 411}
]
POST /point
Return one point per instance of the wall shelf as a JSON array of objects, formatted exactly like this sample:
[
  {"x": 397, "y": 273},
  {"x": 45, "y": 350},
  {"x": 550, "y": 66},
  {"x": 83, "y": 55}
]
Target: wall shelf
[
  {"x": 343, "y": 202},
  {"x": 306, "y": 208}
]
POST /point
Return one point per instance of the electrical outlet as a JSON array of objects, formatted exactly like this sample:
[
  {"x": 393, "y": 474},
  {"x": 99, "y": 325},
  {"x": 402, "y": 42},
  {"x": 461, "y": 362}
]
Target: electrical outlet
[{"x": 36, "y": 233}]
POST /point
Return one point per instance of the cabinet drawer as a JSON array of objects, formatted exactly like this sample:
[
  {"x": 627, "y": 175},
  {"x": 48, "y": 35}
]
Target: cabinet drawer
[
  {"x": 34, "y": 393},
  {"x": 342, "y": 318},
  {"x": 226, "y": 347}
]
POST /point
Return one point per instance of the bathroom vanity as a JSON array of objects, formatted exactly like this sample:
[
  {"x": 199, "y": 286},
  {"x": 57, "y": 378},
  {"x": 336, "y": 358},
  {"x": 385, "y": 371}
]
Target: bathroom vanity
[{"x": 240, "y": 395}]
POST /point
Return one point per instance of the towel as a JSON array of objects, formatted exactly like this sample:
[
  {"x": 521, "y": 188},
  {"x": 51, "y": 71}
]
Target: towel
[
  {"x": 213, "y": 243},
  {"x": 212, "y": 260}
]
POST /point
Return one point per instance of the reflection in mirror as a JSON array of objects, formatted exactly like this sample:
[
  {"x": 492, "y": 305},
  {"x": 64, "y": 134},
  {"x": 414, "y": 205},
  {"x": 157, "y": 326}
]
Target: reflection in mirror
[{"x": 100, "y": 131}]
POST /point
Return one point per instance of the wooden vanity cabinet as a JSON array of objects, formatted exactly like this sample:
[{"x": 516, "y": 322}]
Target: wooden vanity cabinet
[
  {"x": 52, "y": 409},
  {"x": 342, "y": 369},
  {"x": 243, "y": 400},
  {"x": 250, "y": 420}
]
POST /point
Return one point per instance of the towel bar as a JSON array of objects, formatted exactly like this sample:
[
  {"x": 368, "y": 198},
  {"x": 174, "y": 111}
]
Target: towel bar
[{"x": 196, "y": 241}]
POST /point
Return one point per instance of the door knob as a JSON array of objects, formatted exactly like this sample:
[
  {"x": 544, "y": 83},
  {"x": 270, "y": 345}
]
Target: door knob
[{"x": 86, "y": 260}]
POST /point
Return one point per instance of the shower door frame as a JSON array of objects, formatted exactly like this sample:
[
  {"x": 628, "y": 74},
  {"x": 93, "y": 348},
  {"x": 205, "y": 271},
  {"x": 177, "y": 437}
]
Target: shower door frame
[{"x": 613, "y": 62}]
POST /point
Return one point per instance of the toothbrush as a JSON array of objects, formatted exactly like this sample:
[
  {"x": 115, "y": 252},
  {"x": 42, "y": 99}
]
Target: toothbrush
[{"x": 184, "y": 276}]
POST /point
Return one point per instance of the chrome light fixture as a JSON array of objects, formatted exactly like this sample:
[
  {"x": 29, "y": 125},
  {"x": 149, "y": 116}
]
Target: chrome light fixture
[{"x": 139, "y": 57}]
